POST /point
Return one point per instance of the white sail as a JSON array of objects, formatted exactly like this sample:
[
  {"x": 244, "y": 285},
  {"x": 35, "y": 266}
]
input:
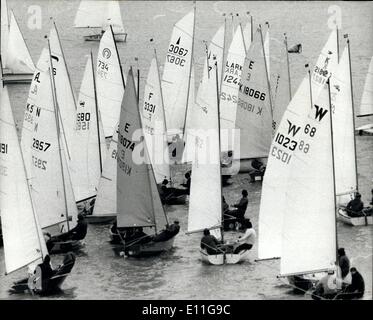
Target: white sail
[
  {"x": 176, "y": 74},
  {"x": 4, "y": 31},
  {"x": 276, "y": 179},
  {"x": 267, "y": 53},
  {"x": 154, "y": 125},
  {"x": 110, "y": 86},
  {"x": 229, "y": 87},
  {"x": 309, "y": 227},
  {"x": 89, "y": 145},
  {"x": 113, "y": 17},
  {"x": 136, "y": 203},
  {"x": 106, "y": 200},
  {"x": 343, "y": 128},
  {"x": 366, "y": 105},
  {"x": 254, "y": 114},
  {"x": 325, "y": 65},
  {"x": 205, "y": 209},
  {"x": 64, "y": 92},
  {"x": 40, "y": 142},
  {"x": 99, "y": 14},
  {"x": 17, "y": 57},
  {"x": 22, "y": 236}
]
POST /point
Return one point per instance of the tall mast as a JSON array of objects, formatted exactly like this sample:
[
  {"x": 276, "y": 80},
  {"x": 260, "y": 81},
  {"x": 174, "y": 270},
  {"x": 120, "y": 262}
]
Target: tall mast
[
  {"x": 334, "y": 187},
  {"x": 56, "y": 112},
  {"x": 116, "y": 49},
  {"x": 287, "y": 64},
  {"x": 310, "y": 83},
  {"x": 97, "y": 114},
  {"x": 266, "y": 71},
  {"x": 190, "y": 68},
  {"x": 337, "y": 43},
  {"x": 223, "y": 58},
  {"x": 353, "y": 112}
]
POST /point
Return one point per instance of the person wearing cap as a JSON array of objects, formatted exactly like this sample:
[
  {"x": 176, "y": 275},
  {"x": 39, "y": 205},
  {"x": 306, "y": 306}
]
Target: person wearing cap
[
  {"x": 169, "y": 232},
  {"x": 355, "y": 206}
]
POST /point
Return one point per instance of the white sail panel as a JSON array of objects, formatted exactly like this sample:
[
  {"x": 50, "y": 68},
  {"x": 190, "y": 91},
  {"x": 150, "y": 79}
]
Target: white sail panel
[
  {"x": 106, "y": 200},
  {"x": 110, "y": 86},
  {"x": 229, "y": 87},
  {"x": 366, "y": 105},
  {"x": 309, "y": 227},
  {"x": 247, "y": 32},
  {"x": 90, "y": 14},
  {"x": 4, "y": 32},
  {"x": 254, "y": 114},
  {"x": 113, "y": 17},
  {"x": 18, "y": 58},
  {"x": 176, "y": 74},
  {"x": 64, "y": 92},
  {"x": 134, "y": 194},
  {"x": 22, "y": 236},
  {"x": 267, "y": 53},
  {"x": 205, "y": 209},
  {"x": 276, "y": 178},
  {"x": 87, "y": 145},
  {"x": 325, "y": 65},
  {"x": 343, "y": 127},
  {"x": 154, "y": 125}
]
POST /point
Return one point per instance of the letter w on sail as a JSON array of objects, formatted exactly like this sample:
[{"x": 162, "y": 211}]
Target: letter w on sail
[
  {"x": 320, "y": 113},
  {"x": 293, "y": 129}
]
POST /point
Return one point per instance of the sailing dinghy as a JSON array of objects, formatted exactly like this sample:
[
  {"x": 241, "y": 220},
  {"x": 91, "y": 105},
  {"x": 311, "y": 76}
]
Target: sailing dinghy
[
  {"x": 24, "y": 244},
  {"x": 138, "y": 201},
  {"x": 100, "y": 15},
  {"x": 366, "y": 105},
  {"x": 205, "y": 209},
  {"x": 16, "y": 60},
  {"x": 45, "y": 159}
]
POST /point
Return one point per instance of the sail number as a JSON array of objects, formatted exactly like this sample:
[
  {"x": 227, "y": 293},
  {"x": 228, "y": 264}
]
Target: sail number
[
  {"x": 3, "y": 148},
  {"x": 178, "y": 50},
  {"x": 291, "y": 144},
  {"x": 252, "y": 93},
  {"x": 103, "y": 66},
  {"x": 114, "y": 154},
  {"x": 230, "y": 79},
  {"x": 281, "y": 155},
  {"x": 176, "y": 60},
  {"x": 149, "y": 107},
  {"x": 228, "y": 97},
  {"x": 39, "y": 163},
  {"x": 82, "y": 120},
  {"x": 40, "y": 145}
]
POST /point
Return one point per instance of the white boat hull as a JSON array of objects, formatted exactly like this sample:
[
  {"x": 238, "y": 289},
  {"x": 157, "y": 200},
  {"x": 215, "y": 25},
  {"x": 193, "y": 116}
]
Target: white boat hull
[
  {"x": 218, "y": 259},
  {"x": 354, "y": 221},
  {"x": 119, "y": 37}
]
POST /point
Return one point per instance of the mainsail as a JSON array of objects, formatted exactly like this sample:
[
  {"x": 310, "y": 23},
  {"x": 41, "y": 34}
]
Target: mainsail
[
  {"x": 276, "y": 179},
  {"x": 248, "y": 33},
  {"x": 106, "y": 200},
  {"x": 230, "y": 84},
  {"x": 309, "y": 226},
  {"x": 89, "y": 141},
  {"x": 99, "y": 14},
  {"x": 22, "y": 236},
  {"x": 366, "y": 105},
  {"x": 343, "y": 128},
  {"x": 15, "y": 55},
  {"x": 177, "y": 73},
  {"x": 110, "y": 82},
  {"x": 205, "y": 209},
  {"x": 138, "y": 201},
  {"x": 154, "y": 125},
  {"x": 254, "y": 113}
]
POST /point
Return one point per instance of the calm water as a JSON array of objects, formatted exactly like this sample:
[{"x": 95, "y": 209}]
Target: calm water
[{"x": 179, "y": 274}]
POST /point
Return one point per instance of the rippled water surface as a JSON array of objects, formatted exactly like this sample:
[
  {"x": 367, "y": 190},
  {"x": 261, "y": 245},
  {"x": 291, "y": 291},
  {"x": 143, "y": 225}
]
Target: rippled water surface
[{"x": 179, "y": 274}]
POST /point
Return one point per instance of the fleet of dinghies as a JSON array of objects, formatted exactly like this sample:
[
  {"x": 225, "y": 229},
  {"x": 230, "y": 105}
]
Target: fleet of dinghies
[{"x": 109, "y": 152}]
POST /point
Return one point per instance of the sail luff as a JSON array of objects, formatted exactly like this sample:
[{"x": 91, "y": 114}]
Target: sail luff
[{"x": 366, "y": 104}]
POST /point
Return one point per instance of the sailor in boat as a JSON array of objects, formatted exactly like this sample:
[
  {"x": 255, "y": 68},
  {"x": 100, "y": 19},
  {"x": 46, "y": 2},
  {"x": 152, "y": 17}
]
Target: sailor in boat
[
  {"x": 343, "y": 262},
  {"x": 247, "y": 241},
  {"x": 259, "y": 169},
  {"x": 328, "y": 287},
  {"x": 168, "y": 233},
  {"x": 186, "y": 184},
  {"x": 77, "y": 233},
  {"x": 236, "y": 217},
  {"x": 354, "y": 290},
  {"x": 210, "y": 243},
  {"x": 355, "y": 207}
]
